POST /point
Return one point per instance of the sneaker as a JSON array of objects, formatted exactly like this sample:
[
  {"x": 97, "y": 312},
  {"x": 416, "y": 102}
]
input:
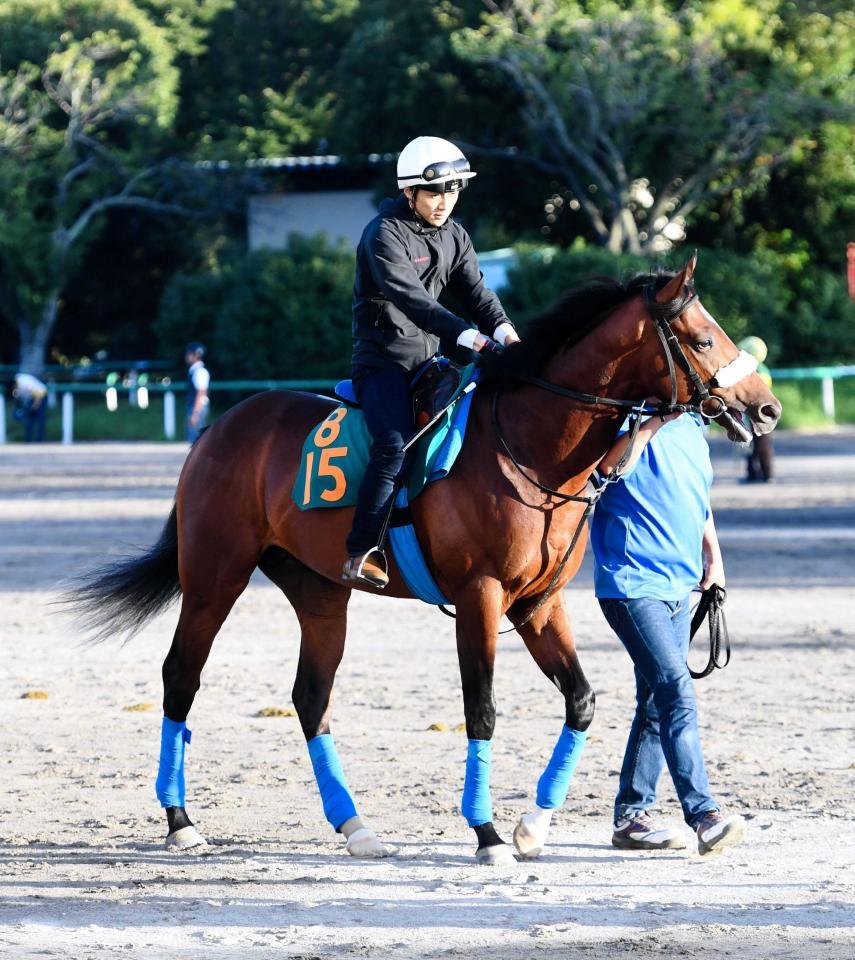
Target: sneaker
[
  {"x": 641, "y": 832},
  {"x": 366, "y": 569},
  {"x": 715, "y": 831}
]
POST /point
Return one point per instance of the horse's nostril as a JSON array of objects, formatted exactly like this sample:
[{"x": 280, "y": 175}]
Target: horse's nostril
[{"x": 769, "y": 412}]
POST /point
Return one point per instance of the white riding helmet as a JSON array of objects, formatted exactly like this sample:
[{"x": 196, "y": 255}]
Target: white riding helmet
[{"x": 433, "y": 164}]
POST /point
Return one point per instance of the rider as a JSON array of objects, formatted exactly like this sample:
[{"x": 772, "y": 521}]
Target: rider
[{"x": 409, "y": 253}]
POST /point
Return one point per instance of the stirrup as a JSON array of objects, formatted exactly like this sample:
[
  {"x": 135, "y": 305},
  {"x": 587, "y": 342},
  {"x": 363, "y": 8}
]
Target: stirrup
[{"x": 371, "y": 568}]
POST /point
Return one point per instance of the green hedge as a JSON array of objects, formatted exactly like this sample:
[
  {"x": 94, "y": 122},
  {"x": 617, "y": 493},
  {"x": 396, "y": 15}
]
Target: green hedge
[
  {"x": 286, "y": 314},
  {"x": 266, "y": 314}
]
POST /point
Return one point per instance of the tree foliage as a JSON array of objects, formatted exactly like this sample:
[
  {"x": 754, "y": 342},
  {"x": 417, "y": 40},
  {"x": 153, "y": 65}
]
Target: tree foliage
[
  {"x": 268, "y": 314},
  {"x": 648, "y": 115},
  {"x": 621, "y": 124},
  {"x": 89, "y": 87}
]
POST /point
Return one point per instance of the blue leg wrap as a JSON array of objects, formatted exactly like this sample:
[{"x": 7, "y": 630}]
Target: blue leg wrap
[
  {"x": 335, "y": 793},
  {"x": 555, "y": 781},
  {"x": 477, "y": 804},
  {"x": 170, "y": 774}
]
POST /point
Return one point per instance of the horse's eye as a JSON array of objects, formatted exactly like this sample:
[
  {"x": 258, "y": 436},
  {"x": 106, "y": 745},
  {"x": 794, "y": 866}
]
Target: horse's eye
[{"x": 703, "y": 345}]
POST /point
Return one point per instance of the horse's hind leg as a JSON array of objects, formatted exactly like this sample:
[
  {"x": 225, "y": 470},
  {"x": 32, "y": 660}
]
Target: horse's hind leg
[
  {"x": 321, "y": 607},
  {"x": 211, "y": 582},
  {"x": 550, "y": 641}
]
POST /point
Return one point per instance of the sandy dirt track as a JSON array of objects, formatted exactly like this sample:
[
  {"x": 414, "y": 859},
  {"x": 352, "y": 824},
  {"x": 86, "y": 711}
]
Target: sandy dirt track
[{"x": 83, "y": 872}]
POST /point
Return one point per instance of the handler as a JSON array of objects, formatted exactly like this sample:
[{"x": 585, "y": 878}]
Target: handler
[
  {"x": 409, "y": 254},
  {"x": 760, "y": 461},
  {"x": 654, "y": 540}
]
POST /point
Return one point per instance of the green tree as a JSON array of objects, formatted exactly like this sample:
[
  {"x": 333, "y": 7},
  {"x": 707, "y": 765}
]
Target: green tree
[
  {"x": 260, "y": 84},
  {"x": 88, "y": 94},
  {"x": 647, "y": 115}
]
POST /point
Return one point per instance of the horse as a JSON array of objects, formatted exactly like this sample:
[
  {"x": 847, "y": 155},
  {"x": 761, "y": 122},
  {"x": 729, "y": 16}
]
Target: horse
[{"x": 502, "y": 534}]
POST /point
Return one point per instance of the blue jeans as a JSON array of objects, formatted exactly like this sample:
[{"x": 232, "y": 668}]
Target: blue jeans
[
  {"x": 384, "y": 396},
  {"x": 193, "y": 433},
  {"x": 35, "y": 415},
  {"x": 665, "y": 727}
]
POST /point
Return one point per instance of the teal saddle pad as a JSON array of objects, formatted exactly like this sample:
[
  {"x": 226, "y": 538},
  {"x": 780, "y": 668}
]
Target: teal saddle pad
[{"x": 335, "y": 453}]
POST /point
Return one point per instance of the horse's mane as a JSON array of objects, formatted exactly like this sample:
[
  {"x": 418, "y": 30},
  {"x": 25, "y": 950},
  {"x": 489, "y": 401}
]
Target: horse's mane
[{"x": 570, "y": 318}]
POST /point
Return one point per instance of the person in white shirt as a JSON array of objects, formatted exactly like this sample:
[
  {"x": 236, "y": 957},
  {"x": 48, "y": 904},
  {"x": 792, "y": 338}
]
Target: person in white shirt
[
  {"x": 31, "y": 406},
  {"x": 198, "y": 384}
]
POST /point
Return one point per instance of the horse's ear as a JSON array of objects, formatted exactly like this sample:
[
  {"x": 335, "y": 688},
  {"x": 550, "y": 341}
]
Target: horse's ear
[{"x": 672, "y": 289}]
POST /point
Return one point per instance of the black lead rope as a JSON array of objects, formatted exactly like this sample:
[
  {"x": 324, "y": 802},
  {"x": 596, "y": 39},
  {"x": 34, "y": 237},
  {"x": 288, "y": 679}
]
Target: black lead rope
[{"x": 711, "y": 608}]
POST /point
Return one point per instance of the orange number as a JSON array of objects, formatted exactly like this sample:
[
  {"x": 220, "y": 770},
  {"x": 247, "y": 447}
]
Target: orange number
[
  {"x": 307, "y": 487},
  {"x": 327, "y": 469},
  {"x": 330, "y": 428}
]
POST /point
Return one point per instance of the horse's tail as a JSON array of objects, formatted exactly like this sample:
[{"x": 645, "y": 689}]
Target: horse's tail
[{"x": 120, "y": 598}]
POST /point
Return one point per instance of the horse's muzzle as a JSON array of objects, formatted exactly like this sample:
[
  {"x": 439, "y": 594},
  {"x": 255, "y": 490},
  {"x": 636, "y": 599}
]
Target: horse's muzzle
[{"x": 764, "y": 416}]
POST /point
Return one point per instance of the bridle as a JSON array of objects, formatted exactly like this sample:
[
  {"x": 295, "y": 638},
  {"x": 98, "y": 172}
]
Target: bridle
[{"x": 662, "y": 315}]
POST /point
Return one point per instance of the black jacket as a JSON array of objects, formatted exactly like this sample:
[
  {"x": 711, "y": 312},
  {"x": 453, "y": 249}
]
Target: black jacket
[{"x": 402, "y": 266}]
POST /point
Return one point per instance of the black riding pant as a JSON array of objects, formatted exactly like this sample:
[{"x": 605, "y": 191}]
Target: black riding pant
[{"x": 385, "y": 399}]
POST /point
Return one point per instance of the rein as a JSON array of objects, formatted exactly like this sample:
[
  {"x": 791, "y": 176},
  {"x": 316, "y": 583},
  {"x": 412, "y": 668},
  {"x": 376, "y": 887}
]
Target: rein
[
  {"x": 711, "y": 608},
  {"x": 590, "y": 501}
]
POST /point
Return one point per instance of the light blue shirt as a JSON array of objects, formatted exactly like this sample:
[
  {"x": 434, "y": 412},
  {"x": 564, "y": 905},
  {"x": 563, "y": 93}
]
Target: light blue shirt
[{"x": 647, "y": 531}]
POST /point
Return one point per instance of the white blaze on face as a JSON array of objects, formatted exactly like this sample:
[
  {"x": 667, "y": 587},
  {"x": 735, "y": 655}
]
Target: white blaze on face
[
  {"x": 708, "y": 316},
  {"x": 738, "y": 368}
]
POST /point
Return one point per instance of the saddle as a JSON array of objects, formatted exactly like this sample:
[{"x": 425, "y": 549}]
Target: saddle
[{"x": 432, "y": 386}]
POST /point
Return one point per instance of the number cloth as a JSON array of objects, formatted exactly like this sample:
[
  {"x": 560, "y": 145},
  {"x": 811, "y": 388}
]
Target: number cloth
[{"x": 335, "y": 454}]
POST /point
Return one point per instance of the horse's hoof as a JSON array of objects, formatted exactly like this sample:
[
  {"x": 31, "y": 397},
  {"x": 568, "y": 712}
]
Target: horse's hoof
[
  {"x": 499, "y": 855},
  {"x": 185, "y": 839},
  {"x": 528, "y": 841},
  {"x": 364, "y": 843}
]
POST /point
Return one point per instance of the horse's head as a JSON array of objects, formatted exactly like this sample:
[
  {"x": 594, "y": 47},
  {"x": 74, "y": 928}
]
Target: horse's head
[{"x": 704, "y": 365}]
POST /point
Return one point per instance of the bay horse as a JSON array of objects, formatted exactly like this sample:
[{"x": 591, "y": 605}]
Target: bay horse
[{"x": 495, "y": 532}]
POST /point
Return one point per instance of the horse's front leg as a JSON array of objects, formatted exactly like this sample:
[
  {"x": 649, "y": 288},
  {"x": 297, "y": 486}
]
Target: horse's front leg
[
  {"x": 550, "y": 641},
  {"x": 478, "y": 615}
]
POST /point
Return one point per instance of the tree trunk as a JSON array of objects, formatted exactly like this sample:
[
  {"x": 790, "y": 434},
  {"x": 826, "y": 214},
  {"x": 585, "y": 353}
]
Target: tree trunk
[{"x": 35, "y": 337}]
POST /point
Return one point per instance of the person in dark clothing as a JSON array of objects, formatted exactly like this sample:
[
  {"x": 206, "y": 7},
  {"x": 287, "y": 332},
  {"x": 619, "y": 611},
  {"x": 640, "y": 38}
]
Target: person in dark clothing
[
  {"x": 760, "y": 461},
  {"x": 409, "y": 253}
]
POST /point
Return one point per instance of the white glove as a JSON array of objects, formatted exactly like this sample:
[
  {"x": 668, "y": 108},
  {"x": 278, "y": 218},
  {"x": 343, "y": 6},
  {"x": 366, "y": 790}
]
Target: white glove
[{"x": 506, "y": 334}]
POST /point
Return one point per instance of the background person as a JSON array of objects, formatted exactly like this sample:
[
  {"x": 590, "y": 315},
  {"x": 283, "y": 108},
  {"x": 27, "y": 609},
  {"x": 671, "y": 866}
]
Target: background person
[
  {"x": 654, "y": 540},
  {"x": 198, "y": 384},
  {"x": 31, "y": 406},
  {"x": 760, "y": 461},
  {"x": 409, "y": 253}
]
